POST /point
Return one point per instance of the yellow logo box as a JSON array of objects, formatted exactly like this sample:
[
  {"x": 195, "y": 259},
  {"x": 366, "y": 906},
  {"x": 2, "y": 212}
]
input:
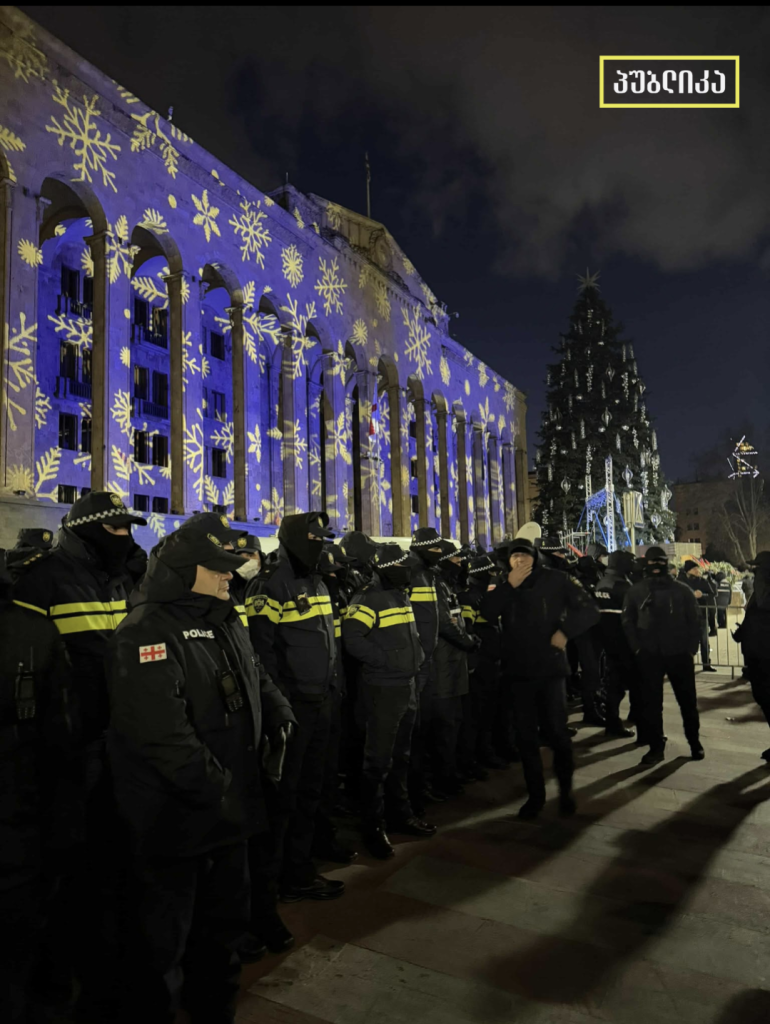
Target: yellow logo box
[{"x": 665, "y": 82}]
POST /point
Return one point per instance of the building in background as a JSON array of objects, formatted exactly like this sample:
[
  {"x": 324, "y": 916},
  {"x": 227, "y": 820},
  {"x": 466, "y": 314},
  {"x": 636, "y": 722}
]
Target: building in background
[{"x": 184, "y": 339}]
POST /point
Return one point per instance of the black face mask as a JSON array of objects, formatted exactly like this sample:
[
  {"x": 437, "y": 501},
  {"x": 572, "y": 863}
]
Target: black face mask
[
  {"x": 429, "y": 557},
  {"x": 111, "y": 549},
  {"x": 656, "y": 569},
  {"x": 458, "y": 574},
  {"x": 397, "y": 576}
]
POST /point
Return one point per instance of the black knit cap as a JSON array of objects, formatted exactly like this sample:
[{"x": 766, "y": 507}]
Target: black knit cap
[
  {"x": 102, "y": 507},
  {"x": 655, "y": 554},
  {"x": 523, "y": 544},
  {"x": 35, "y": 538},
  {"x": 481, "y": 564},
  {"x": 203, "y": 523},
  {"x": 187, "y": 548},
  {"x": 389, "y": 554},
  {"x": 248, "y": 544},
  {"x": 448, "y": 550},
  {"x": 358, "y": 546},
  {"x": 761, "y": 560},
  {"x": 426, "y": 537},
  {"x": 552, "y": 544}
]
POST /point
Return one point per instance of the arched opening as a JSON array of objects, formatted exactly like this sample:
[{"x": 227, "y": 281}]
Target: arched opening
[
  {"x": 316, "y": 428},
  {"x": 461, "y": 458},
  {"x": 268, "y": 435},
  {"x": 417, "y": 431},
  {"x": 351, "y": 439},
  {"x": 388, "y": 454},
  {"x": 68, "y": 367},
  {"x": 444, "y": 510}
]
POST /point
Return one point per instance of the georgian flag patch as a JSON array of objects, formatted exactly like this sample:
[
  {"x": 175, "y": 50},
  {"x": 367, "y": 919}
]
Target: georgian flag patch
[{"x": 153, "y": 652}]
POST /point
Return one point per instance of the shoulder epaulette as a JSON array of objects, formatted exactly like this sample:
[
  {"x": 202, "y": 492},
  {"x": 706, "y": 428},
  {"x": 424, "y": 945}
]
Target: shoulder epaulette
[{"x": 38, "y": 556}]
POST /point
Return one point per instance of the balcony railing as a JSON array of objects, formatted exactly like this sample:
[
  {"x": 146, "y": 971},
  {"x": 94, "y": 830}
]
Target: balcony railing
[
  {"x": 155, "y": 409},
  {"x": 140, "y": 333},
  {"x": 67, "y": 304},
  {"x": 68, "y": 387}
]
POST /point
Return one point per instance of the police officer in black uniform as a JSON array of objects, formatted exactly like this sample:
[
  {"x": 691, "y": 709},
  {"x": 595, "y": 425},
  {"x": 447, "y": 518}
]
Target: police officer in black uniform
[
  {"x": 622, "y": 674},
  {"x": 754, "y": 636},
  {"x": 662, "y": 623},
  {"x": 81, "y": 585},
  {"x": 28, "y": 542},
  {"x": 425, "y": 550},
  {"x": 705, "y": 594},
  {"x": 249, "y": 548},
  {"x": 291, "y": 621},
  {"x": 379, "y": 631},
  {"x": 190, "y": 705},
  {"x": 38, "y": 729},
  {"x": 539, "y": 611}
]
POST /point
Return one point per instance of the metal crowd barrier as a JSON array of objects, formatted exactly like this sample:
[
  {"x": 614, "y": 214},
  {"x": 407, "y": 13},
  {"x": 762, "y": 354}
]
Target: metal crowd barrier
[{"x": 725, "y": 652}]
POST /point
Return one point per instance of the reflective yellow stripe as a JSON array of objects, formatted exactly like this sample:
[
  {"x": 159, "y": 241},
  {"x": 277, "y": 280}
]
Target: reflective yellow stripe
[
  {"x": 481, "y": 619},
  {"x": 86, "y": 623},
  {"x": 270, "y": 609},
  {"x": 360, "y": 614},
  {"x": 387, "y": 612},
  {"x": 244, "y": 620},
  {"x": 337, "y": 629},
  {"x": 315, "y": 611},
  {"x": 403, "y": 618},
  {"x": 31, "y": 607},
  {"x": 423, "y": 594},
  {"x": 84, "y": 607},
  {"x": 469, "y": 614}
]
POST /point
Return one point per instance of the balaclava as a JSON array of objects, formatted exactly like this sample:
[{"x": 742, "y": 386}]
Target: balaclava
[
  {"x": 111, "y": 549},
  {"x": 621, "y": 562},
  {"x": 424, "y": 538},
  {"x": 391, "y": 564},
  {"x": 303, "y": 537},
  {"x": 481, "y": 571},
  {"x": 656, "y": 563}
]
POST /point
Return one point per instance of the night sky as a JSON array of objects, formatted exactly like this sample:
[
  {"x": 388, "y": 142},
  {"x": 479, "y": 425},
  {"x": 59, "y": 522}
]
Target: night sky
[{"x": 496, "y": 171}]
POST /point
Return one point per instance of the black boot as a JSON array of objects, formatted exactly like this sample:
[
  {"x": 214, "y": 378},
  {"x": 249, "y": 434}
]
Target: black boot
[
  {"x": 654, "y": 756},
  {"x": 377, "y": 843},
  {"x": 531, "y": 809}
]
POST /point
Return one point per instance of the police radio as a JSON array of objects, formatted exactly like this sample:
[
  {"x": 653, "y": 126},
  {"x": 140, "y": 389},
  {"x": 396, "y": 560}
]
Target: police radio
[
  {"x": 230, "y": 688},
  {"x": 25, "y": 694}
]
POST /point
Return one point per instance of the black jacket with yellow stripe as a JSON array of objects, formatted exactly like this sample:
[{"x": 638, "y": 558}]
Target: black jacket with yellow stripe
[
  {"x": 380, "y": 632},
  {"x": 488, "y": 632},
  {"x": 422, "y": 594},
  {"x": 68, "y": 586},
  {"x": 291, "y": 622}
]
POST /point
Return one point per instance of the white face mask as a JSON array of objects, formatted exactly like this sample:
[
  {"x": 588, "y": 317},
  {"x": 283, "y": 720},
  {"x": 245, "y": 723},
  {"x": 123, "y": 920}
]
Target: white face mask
[{"x": 249, "y": 568}]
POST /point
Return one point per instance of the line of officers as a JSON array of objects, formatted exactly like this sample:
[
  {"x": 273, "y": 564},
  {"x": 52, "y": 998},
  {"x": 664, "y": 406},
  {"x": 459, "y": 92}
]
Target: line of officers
[{"x": 174, "y": 730}]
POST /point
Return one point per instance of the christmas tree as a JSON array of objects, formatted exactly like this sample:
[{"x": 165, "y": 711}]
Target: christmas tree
[{"x": 596, "y": 408}]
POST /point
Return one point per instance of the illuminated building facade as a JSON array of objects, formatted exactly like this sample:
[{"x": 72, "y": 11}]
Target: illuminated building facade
[{"x": 178, "y": 336}]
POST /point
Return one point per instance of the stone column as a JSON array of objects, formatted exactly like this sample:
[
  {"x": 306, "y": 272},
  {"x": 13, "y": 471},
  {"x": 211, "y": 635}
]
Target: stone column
[
  {"x": 509, "y": 491},
  {"x": 479, "y": 495},
  {"x": 523, "y": 511},
  {"x": 495, "y": 510},
  {"x": 22, "y": 216},
  {"x": 443, "y": 470},
  {"x": 184, "y": 496},
  {"x": 291, "y": 482},
  {"x": 240, "y": 477},
  {"x": 462, "y": 478},
  {"x": 366, "y": 381},
  {"x": 100, "y": 366},
  {"x": 6, "y": 205},
  {"x": 422, "y": 462},
  {"x": 315, "y": 454},
  {"x": 333, "y": 405},
  {"x": 399, "y": 463}
]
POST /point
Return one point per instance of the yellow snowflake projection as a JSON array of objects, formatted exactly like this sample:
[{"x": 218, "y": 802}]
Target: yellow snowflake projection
[
  {"x": 330, "y": 285},
  {"x": 189, "y": 362},
  {"x": 272, "y": 509},
  {"x": 224, "y": 438},
  {"x": 126, "y": 96},
  {"x": 408, "y": 267},
  {"x": 206, "y": 217},
  {"x": 509, "y": 396},
  {"x": 19, "y": 371},
  {"x": 257, "y": 327},
  {"x": 47, "y": 469},
  {"x": 500, "y": 424},
  {"x": 483, "y": 375},
  {"x": 291, "y": 264},
  {"x": 22, "y": 53},
  {"x": 340, "y": 439},
  {"x": 195, "y": 453},
  {"x": 121, "y": 411},
  {"x": 294, "y": 444},
  {"x": 124, "y": 466},
  {"x": 150, "y": 291},
  {"x": 74, "y": 330},
  {"x": 382, "y": 299},
  {"x": 298, "y": 217},
  {"x": 250, "y": 228},
  {"x": 255, "y": 442},
  {"x": 120, "y": 254},
  {"x": 300, "y": 342},
  {"x": 467, "y": 387},
  {"x": 334, "y": 216},
  {"x": 79, "y": 129},
  {"x": 11, "y": 144},
  {"x": 153, "y": 220},
  {"x": 417, "y": 346},
  {"x": 125, "y": 356},
  {"x": 172, "y": 201},
  {"x": 446, "y": 373},
  {"x": 29, "y": 253},
  {"x": 148, "y": 131},
  {"x": 485, "y": 416},
  {"x": 360, "y": 334},
  {"x": 21, "y": 479},
  {"x": 42, "y": 407},
  {"x": 87, "y": 261}
]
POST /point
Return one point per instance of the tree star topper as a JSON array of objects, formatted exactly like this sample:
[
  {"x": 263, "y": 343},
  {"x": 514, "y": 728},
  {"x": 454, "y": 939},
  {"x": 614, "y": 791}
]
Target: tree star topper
[{"x": 589, "y": 281}]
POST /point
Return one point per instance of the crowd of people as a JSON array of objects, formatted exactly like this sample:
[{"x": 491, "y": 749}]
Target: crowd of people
[{"x": 181, "y": 734}]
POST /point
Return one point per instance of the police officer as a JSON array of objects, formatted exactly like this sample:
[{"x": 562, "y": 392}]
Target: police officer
[
  {"x": 379, "y": 631},
  {"x": 705, "y": 592},
  {"x": 539, "y": 611},
  {"x": 451, "y": 680},
  {"x": 754, "y": 636},
  {"x": 425, "y": 550},
  {"x": 249, "y": 548},
  {"x": 724, "y": 597},
  {"x": 484, "y": 664},
  {"x": 190, "y": 705},
  {"x": 291, "y": 621},
  {"x": 662, "y": 623},
  {"x": 81, "y": 585},
  {"x": 38, "y": 727},
  {"x": 28, "y": 542},
  {"x": 621, "y": 669}
]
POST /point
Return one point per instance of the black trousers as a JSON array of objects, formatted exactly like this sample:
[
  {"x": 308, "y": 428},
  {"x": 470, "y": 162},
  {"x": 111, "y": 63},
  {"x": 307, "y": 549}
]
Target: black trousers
[
  {"x": 298, "y": 794},
  {"x": 387, "y": 714},
  {"x": 759, "y": 675},
  {"x": 722, "y": 617},
  {"x": 590, "y": 669},
  {"x": 705, "y": 655},
  {"x": 536, "y": 703},
  {"x": 20, "y": 922},
  {"x": 479, "y": 712},
  {"x": 325, "y": 829},
  {"x": 192, "y": 913},
  {"x": 444, "y": 728},
  {"x": 621, "y": 677},
  {"x": 680, "y": 670},
  {"x": 421, "y": 730}
]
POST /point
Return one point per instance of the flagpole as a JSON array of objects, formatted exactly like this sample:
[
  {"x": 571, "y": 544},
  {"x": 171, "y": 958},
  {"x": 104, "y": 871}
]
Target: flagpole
[{"x": 368, "y": 189}]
